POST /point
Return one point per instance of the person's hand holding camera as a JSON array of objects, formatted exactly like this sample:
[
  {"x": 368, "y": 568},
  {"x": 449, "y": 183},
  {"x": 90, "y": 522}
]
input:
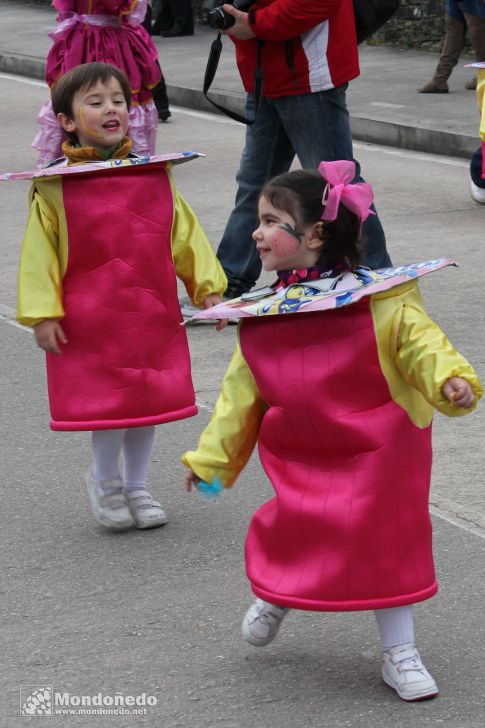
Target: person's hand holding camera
[{"x": 241, "y": 28}]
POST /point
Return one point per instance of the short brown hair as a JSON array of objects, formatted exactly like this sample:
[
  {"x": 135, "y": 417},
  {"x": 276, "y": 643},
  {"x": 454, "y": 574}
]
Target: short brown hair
[{"x": 85, "y": 76}]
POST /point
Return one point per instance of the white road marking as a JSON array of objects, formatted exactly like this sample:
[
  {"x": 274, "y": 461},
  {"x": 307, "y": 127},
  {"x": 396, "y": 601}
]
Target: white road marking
[
  {"x": 455, "y": 521},
  {"x": 387, "y": 106},
  {"x": 23, "y": 79},
  {"x": 203, "y": 115},
  {"x": 407, "y": 154}
]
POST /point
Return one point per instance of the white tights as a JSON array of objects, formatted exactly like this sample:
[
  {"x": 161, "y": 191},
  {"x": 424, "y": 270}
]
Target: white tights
[
  {"x": 396, "y": 625},
  {"x": 136, "y": 443}
]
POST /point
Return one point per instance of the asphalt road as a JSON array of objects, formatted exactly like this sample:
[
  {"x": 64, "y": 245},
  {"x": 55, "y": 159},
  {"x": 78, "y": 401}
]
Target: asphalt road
[{"x": 85, "y": 610}]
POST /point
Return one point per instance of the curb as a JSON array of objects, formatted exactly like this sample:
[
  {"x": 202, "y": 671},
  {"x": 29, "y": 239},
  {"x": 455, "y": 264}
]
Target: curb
[
  {"x": 413, "y": 138},
  {"x": 22, "y": 65}
]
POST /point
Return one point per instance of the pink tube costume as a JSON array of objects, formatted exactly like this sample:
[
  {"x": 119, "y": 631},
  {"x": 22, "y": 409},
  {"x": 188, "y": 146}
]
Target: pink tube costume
[
  {"x": 340, "y": 402},
  {"x": 108, "y": 31},
  {"x": 103, "y": 246}
]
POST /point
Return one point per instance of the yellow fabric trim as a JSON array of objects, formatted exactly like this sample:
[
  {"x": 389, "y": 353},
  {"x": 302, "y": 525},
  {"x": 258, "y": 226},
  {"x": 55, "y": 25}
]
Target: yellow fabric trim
[
  {"x": 481, "y": 100},
  {"x": 195, "y": 261},
  {"x": 127, "y": 12},
  {"x": 227, "y": 442},
  {"x": 414, "y": 351},
  {"x": 43, "y": 258}
]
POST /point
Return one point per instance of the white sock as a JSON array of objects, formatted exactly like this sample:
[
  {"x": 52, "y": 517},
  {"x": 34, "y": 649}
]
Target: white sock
[
  {"x": 137, "y": 448},
  {"x": 106, "y": 445},
  {"x": 396, "y": 626}
]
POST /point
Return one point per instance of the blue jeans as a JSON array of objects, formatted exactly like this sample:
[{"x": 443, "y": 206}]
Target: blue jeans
[
  {"x": 315, "y": 127},
  {"x": 471, "y": 7}
]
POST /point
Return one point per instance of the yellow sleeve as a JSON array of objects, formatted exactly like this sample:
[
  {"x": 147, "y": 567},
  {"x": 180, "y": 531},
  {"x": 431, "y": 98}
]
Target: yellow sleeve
[
  {"x": 426, "y": 359},
  {"x": 39, "y": 281},
  {"x": 481, "y": 100},
  {"x": 227, "y": 442},
  {"x": 195, "y": 261}
]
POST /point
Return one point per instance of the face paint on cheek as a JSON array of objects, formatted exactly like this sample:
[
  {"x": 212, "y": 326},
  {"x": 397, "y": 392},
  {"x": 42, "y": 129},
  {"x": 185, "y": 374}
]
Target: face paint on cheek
[
  {"x": 285, "y": 243},
  {"x": 84, "y": 127}
]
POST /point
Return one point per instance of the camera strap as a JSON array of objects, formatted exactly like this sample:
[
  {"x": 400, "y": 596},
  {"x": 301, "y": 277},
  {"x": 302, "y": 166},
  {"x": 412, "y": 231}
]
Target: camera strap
[{"x": 210, "y": 72}]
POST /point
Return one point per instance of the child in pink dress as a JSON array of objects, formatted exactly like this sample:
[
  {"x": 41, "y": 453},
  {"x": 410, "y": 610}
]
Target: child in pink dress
[
  {"x": 110, "y": 31},
  {"x": 340, "y": 402},
  {"x": 107, "y": 235}
]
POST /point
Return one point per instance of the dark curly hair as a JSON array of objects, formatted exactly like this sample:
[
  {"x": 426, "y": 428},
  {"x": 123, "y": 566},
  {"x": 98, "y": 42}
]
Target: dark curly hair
[{"x": 300, "y": 194}]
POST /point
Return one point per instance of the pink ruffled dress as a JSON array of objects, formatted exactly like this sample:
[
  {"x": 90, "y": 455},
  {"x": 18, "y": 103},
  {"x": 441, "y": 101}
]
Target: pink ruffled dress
[{"x": 109, "y": 31}]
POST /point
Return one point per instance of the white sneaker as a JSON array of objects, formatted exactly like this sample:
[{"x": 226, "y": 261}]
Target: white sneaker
[
  {"x": 188, "y": 310},
  {"x": 403, "y": 670},
  {"x": 262, "y": 622},
  {"x": 477, "y": 193},
  {"x": 108, "y": 502},
  {"x": 146, "y": 511}
]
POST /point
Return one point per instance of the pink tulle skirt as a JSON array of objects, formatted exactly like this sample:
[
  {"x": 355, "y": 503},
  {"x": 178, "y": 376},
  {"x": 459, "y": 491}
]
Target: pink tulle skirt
[
  {"x": 142, "y": 130},
  {"x": 85, "y": 38}
]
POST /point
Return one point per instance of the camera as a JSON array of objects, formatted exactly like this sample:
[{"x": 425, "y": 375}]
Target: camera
[{"x": 220, "y": 20}]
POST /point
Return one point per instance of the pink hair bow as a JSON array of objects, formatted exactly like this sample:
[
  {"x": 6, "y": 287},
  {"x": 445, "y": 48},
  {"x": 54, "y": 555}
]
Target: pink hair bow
[{"x": 357, "y": 198}]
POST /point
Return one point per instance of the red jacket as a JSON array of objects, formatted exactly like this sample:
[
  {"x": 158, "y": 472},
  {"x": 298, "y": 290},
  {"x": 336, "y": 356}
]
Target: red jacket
[{"x": 309, "y": 46}]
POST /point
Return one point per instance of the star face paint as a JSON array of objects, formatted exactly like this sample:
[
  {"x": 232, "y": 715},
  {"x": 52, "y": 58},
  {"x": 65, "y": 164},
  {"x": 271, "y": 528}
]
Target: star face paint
[
  {"x": 279, "y": 241},
  {"x": 99, "y": 115}
]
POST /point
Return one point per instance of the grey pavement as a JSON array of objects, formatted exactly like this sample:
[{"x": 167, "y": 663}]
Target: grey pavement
[
  {"x": 384, "y": 105},
  {"x": 85, "y": 610}
]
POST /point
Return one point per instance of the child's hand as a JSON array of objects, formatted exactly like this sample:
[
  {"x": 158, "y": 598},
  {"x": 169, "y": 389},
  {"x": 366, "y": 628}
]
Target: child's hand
[
  {"x": 458, "y": 392},
  {"x": 190, "y": 481},
  {"x": 48, "y": 335},
  {"x": 212, "y": 300}
]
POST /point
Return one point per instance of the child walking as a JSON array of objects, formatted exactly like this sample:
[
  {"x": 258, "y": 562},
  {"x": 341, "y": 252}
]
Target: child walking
[
  {"x": 109, "y": 31},
  {"x": 340, "y": 402},
  {"x": 97, "y": 283}
]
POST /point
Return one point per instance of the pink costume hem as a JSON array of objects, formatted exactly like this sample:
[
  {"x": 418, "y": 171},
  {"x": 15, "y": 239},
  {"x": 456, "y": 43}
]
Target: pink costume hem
[
  {"x": 356, "y": 605},
  {"x": 117, "y": 424}
]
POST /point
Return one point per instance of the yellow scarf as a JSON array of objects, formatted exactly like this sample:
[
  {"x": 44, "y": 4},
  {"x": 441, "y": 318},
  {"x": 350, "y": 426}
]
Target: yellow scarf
[{"x": 81, "y": 155}]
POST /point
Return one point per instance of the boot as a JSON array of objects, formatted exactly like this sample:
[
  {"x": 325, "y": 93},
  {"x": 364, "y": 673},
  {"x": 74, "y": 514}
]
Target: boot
[
  {"x": 160, "y": 99},
  {"x": 476, "y": 32},
  {"x": 452, "y": 47}
]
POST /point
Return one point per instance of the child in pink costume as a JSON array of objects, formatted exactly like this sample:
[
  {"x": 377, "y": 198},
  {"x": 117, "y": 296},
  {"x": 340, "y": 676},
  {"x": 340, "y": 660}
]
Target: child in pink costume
[
  {"x": 340, "y": 402},
  {"x": 107, "y": 235},
  {"x": 109, "y": 31}
]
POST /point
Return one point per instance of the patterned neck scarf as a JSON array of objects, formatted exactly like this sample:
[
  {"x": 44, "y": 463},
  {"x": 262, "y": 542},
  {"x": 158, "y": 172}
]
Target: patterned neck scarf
[
  {"x": 288, "y": 277},
  {"x": 78, "y": 155}
]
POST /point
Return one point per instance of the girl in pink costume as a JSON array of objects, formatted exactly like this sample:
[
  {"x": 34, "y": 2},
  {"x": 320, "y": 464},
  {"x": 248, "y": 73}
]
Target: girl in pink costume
[
  {"x": 109, "y": 31},
  {"x": 340, "y": 402}
]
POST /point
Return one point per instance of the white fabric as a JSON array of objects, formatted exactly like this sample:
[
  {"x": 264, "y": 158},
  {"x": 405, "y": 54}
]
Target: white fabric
[
  {"x": 137, "y": 449},
  {"x": 396, "y": 626},
  {"x": 315, "y": 44},
  {"x": 136, "y": 444}
]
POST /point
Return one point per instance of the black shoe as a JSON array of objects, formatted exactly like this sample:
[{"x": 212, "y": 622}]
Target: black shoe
[
  {"x": 176, "y": 31},
  {"x": 164, "y": 115}
]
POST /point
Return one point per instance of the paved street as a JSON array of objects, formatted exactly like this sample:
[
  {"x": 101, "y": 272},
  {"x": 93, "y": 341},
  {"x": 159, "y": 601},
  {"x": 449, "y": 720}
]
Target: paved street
[{"x": 85, "y": 610}]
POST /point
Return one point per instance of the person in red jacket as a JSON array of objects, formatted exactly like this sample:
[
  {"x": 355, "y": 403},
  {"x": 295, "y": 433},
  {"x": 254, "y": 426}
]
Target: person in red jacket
[{"x": 308, "y": 51}]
